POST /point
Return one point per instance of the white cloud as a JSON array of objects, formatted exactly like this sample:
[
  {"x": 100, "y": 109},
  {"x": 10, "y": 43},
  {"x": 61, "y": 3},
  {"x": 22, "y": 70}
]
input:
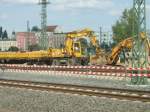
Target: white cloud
[
  {"x": 19, "y": 1},
  {"x": 68, "y": 4},
  {"x": 78, "y": 4}
]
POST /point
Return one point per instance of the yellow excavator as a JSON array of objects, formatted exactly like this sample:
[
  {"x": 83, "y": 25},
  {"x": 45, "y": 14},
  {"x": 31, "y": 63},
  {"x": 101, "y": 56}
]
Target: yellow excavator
[
  {"x": 113, "y": 58},
  {"x": 145, "y": 37},
  {"x": 127, "y": 43},
  {"x": 73, "y": 46}
]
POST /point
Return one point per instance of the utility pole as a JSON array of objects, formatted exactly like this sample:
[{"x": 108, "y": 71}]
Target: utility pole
[
  {"x": 139, "y": 51},
  {"x": 28, "y": 36},
  {"x": 43, "y": 37},
  {"x": 100, "y": 35}
]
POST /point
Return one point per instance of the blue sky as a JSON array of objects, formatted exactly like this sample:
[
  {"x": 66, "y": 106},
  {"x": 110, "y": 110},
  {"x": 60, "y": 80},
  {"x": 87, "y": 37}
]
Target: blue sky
[{"x": 68, "y": 14}]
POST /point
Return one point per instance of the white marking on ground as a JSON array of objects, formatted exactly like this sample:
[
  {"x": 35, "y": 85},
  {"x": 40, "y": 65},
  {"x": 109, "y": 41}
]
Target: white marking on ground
[
  {"x": 94, "y": 96},
  {"x": 89, "y": 90},
  {"x": 145, "y": 96},
  {"x": 105, "y": 92},
  {"x": 137, "y": 101},
  {"x": 134, "y": 94},
  {"x": 85, "y": 95},
  {"x": 103, "y": 97},
  {"x": 125, "y": 100},
  {"x": 96, "y": 91},
  {"x": 114, "y": 92},
  {"x": 124, "y": 93},
  {"x": 76, "y": 94},
  {"x": 114, "y": 99}
]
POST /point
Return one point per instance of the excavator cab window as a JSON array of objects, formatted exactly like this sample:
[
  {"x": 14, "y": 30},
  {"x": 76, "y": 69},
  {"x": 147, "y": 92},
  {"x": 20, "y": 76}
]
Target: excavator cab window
[{"x": 77, "y": 47}]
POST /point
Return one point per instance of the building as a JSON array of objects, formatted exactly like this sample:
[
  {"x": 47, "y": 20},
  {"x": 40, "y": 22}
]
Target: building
[
  {"x": 25, "y": 39},
  {"x": 54, "y": 37},
  {"x": 6, "y": 44},
  {"x": 57, "y": 40},
  {"x": 54, "y": 29}
]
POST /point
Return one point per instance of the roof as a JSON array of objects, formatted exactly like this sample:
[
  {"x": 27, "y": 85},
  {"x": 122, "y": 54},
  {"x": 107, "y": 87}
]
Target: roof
[
  {"x": 25, "y": 33},
  {"x": 7, "y": 39},
  {"x": 51, "y": 28}
]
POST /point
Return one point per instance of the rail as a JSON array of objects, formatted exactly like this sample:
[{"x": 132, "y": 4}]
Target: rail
[{"x": 120, "y": 94}]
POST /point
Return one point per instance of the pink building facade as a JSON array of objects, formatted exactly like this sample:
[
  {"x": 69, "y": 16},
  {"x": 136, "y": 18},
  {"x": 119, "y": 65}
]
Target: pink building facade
[
  {"x": 25, "y": 39},
  {"x": 55, "y": 38}
]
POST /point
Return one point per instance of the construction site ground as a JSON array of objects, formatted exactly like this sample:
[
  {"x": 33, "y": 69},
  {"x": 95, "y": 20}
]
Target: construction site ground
[{"x": 21, "y": 100}]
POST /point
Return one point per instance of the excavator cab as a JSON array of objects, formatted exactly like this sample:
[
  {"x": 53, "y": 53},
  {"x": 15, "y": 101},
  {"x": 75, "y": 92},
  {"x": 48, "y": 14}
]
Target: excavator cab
[{"x": 77, "y": 49}]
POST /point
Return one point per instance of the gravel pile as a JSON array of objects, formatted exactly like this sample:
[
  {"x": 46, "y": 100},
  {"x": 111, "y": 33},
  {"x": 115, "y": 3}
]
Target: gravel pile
[{"x": 20, "y": 100}]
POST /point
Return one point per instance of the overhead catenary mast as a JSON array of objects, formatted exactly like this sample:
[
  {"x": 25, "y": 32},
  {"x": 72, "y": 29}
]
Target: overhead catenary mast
[
  {"x": 139, "y": 52},
  {"x": 43, "y": 40}
]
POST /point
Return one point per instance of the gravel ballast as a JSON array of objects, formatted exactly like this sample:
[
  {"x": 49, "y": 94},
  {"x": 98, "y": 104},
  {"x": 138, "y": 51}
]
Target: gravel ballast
[
  {"x": 73, "y": 79},
  {"x": 21, "y": 100}
]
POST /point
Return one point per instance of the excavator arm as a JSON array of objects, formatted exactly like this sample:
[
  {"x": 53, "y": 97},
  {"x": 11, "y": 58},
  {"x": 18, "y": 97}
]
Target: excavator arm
[
  {"x": 82, "y": 34},
  {"x": 114, "y": 56},
  {"x": 127, "y": 43},
  {"x": 145, "y": 37}
]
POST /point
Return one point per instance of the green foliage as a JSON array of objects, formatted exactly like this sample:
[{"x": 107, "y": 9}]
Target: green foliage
[
  {"x": 35, "y": 29},
  {"x": 13, "y": 48},
  {"x": 124, "y": 27},
  {"x": 5, "y": 35},
  {"x": 13, "y": 32},
  {"x": 34, "y": 47},
  {"x": 1, "y": 32},
  {"x": 105, "y": 46}
]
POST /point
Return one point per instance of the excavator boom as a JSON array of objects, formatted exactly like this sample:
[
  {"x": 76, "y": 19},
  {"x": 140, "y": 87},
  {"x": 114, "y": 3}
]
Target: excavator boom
[{"x": 114, "y": 56}]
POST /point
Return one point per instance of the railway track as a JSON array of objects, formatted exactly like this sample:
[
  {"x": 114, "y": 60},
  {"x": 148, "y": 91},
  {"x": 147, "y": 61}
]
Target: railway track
[{"x": 121, "y": 94}]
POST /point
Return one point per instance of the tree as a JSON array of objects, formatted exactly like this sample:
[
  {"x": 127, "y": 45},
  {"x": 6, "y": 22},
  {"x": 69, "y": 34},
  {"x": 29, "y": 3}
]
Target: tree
[
  {"x": 34, "y": 47},
  {"x": 105, "y": 46},
  {"x": 5, "y": 35},
  {"x": 35, "y": 29},
  {"x": 13, "y": 32},
  {"x": 13, "y": 48},
  {"x": 1, "y": 32},
  {"x": 123, "y": 28}
]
